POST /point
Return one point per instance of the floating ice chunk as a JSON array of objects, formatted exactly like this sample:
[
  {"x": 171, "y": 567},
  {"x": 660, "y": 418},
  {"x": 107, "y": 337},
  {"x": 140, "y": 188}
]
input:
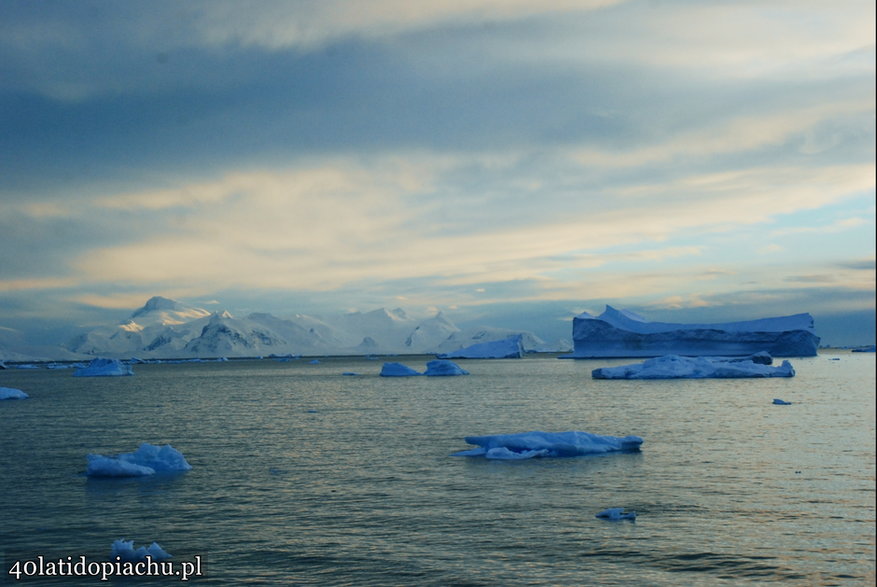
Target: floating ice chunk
[
  {"x": 125, "y": 551},
  {"x": 677, "y": 367},
  {"x": 397, "y": 370},
  {"x": 527, "y": 445},
  {"x": 442, "y": 367},
  {"x": 12, "y": 393},
  {"x": 102, "y": 367},
  {"x": 616, "y": 514},
  {"x": 780, "y": 402},
  {"x": 146, "y": 460}
]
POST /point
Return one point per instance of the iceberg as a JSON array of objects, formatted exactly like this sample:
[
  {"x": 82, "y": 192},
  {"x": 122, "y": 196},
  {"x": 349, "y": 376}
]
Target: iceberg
[
  {"x": 12, "y": 393},
  {"x": 102, "y": 367},
  {"x": 528, "y": 445},
  {"x": 443, "y": 367},
  {"x": 676, "y": 367},
  {"x": 781, "y": 402},
  {"x": 616, "y": 514},
  {"x": 511, "y": 347},
  {"x": 397, "y": 370},
  {"x": 621, "y": 333},
  {"x": 146, "y": 460},
  {"x": 123, "y": 550}
]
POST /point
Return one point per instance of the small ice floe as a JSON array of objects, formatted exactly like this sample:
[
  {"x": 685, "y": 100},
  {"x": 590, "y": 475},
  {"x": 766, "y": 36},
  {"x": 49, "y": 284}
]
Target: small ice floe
[
  {"x": 124, "y": 550},
  {"x": 146, "y": 460},
  {"x": 443, "y": 367},
  {"x": 102, "y": 367},
  {"x": 12, "y": 393},
  {"x": 528, "y": 445},
  {"x": 350, "y": 374},
  {"x": 314, "y": 362},
  {"x": 616, "y": 514},
  {"x": 780, "y": 402},
  {"x": 397, "y": 370}
]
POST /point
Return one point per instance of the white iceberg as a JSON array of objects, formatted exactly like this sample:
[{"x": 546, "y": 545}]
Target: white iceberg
[
  {"x": 397, "y": 370},
  {"x": 102, "y": 367},
  {"x": 443, "y": 367},
  {"x": 146, "y": 460},
  {"x": 12, "y": 393},
  {"x": 527, "y": 445},
  {"x": 676, "y": 367},
  {"x": 511, "y": 347},
  {"x": 621, "y": 333},
  {"x": 616, "y": 514},
  {"x": 124, "y": 550}
]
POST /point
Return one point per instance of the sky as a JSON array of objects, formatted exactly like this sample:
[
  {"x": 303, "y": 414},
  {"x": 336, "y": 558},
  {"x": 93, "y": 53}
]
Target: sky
[{"x": 508, "y": 162}]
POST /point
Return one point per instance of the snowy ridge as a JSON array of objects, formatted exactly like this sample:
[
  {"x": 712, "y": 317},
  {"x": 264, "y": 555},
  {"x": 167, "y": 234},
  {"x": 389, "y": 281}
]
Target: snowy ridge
[{"x": 165, "y": 328}]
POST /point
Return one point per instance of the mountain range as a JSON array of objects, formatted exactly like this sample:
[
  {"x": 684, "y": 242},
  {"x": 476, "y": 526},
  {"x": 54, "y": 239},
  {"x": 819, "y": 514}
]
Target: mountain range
[{"x": 166, "y": 328}]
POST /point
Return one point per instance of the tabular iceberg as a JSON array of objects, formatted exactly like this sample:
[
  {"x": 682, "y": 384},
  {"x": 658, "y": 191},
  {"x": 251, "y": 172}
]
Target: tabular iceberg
[
  {"x": 676, "y": 367},
  {"x": 527, "y": 445},
  {"x": 12, "y": 393},
  {"x": 146, "y": 460},
  {"x": 102, "y": 367},
  {"x": 621, "y": 333}
]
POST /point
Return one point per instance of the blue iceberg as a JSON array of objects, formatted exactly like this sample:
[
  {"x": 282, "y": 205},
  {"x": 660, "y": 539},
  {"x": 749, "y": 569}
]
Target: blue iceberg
[
  {"x": 102, "y": 367},
  {"x": 616, "y": 514},
  {"x": 397, "y": 370},
  {"x": 146, "y": 460},
  {"x": 125, "y": 551},
  {"x": 443, "y": 367},
  {"x": 677, "y": 367},
  {"x": 528, "y": 445},
  {"x": 12, "y": 393}
]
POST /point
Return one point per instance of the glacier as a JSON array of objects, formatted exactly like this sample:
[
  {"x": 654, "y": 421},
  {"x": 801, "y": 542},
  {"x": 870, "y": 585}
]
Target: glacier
[
  {"x": 12, "y": 393},
  {"x": 677, "y": 367},
  {"x": 528, "y": 445},
  {"x": 622, "y": 333},
  {"x": 103, "y": 367},
  {"x": 148, "y": 459}
]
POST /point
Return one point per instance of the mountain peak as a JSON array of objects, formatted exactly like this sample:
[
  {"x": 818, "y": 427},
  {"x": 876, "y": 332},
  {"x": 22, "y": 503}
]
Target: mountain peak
[{"x": 156, "y": 303}]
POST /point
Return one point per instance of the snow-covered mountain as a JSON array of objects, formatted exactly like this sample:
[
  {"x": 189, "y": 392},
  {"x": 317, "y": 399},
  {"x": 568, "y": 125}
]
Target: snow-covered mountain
[{"x": 165, "y": 328}]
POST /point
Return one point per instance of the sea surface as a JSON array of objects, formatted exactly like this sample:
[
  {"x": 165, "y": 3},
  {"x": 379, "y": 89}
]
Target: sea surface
[{"x": 303, "y": 475}]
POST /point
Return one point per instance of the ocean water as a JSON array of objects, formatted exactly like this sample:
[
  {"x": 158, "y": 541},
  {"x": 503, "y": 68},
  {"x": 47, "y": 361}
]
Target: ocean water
[{"x": 304, "y": 476}]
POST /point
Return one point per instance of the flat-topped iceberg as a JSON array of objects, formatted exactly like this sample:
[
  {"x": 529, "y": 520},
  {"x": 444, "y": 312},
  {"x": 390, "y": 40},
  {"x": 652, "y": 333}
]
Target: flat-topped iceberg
[
  {"x": 511, "y": 347},
  {"x": 146, "y": 460},
  {"x": 676, "y": 367},
  {"x": 621, "y": 333},
  {"x": 102, "y": 367},
  {"x": 12, "y": 393},
  {"x": 443, "y": 367},
  {"x": 528, "y": 445}
]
